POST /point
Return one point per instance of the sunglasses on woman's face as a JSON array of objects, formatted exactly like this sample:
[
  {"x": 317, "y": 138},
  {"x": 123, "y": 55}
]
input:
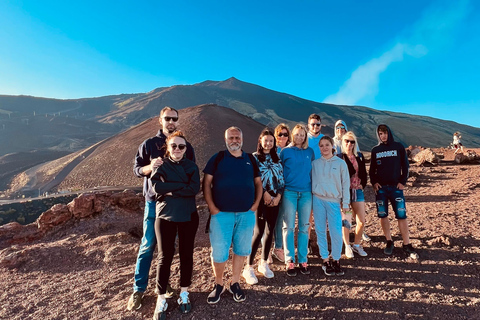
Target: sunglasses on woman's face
[
  {"x": 350, "y": 141},
  {"x": 283, "y": 135},
  {"x": 180, "y": 146}
]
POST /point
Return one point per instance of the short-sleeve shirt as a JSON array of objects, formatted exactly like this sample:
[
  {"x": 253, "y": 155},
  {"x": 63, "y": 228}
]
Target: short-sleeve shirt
[{"x": 233, "y": 186}]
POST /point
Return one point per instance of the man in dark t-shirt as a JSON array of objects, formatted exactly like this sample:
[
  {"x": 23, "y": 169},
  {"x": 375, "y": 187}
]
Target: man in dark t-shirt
[{"x": 232, "y": 189}]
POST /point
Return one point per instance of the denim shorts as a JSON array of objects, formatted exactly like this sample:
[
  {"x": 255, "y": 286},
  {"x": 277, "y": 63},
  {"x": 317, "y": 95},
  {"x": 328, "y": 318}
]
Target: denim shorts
[
  {"x": 231, "y": 228},
  {"x": 396, "y": 198},
  {"x": 356, "y": 195}
]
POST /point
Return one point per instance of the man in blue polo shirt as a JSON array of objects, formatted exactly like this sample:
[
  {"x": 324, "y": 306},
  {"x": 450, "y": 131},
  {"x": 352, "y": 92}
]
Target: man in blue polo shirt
[{"x": 232, "y": 189}]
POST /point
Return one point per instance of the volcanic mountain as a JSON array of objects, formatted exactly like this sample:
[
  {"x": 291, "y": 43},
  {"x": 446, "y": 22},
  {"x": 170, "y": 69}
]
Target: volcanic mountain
[{"x": 110, "y": 162}]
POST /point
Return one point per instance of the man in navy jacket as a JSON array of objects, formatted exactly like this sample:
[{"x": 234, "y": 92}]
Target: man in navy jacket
[{"x": 150, "y": 156}]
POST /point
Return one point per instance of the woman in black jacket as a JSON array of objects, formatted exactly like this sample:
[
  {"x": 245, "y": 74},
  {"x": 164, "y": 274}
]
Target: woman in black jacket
[
  {"x": 175, "y": 183},
  {"x": 358, "y": 180}
]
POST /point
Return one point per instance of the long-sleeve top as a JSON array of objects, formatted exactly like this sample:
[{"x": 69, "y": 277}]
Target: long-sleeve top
[
  {"x": 150, "y": 149},
  {"x": 331, "y": 181},
  {"x": 182, "y": 180},
  {"x": 297, "y": 167},
  {"x": 271, "y": 175},
  {"x": 389, "y": 163}
]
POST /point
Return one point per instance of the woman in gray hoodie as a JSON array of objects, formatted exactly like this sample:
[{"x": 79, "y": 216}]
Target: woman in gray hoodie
[{"x": 331, "y": 190}]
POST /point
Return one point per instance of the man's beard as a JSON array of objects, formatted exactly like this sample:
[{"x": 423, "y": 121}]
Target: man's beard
[
  {"x": 171, "y": 129},
  {"x": 234, "y": 146}
]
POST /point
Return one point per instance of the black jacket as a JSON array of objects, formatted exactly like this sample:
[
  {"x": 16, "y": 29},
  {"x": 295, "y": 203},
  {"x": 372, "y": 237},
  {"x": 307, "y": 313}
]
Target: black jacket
[
  {"x": 182, "y": 179},
  {"x": 389, "y": 164},
  {"x": 362, "y": 171}
]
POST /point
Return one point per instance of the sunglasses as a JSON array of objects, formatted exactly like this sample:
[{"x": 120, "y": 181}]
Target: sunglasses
[
  {"x": 283, "y": 135},
  {"x": 340, "y": 128},
  {"x": 175, "y": 119},
  {"x": 316, "y": 124},
  {"x": 180, "y": 146},
  {"x": 350, "y": 141}
]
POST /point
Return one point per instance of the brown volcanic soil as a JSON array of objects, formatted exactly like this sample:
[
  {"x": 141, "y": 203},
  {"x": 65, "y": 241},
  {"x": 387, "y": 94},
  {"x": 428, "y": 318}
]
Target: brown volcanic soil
[{"x": 84, "y": 270}]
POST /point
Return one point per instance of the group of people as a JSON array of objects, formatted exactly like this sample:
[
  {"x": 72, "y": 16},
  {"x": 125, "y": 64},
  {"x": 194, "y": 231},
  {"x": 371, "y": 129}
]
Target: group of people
[{"x": 294, "y": 177}]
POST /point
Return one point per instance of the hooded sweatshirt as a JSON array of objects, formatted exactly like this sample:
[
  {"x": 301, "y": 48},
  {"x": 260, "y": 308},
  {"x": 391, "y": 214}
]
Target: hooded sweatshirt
[
  {"x": 337, "y": 140},
  {"x": 331, "y": 180},
  {"x": 389, "y": 164}
]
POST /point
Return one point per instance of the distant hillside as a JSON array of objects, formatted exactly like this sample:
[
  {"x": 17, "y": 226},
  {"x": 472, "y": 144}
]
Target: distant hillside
[
  {"x": 111, "y": 161},
  {"x": 105, "y": 116}
]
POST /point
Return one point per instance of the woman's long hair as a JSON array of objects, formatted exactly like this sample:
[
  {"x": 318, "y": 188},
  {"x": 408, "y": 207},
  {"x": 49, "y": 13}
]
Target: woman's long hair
[
  {"x": 349, "y": 135},
  {"x": 273, "y": 150},
  {"x": 301, "y": 127}
]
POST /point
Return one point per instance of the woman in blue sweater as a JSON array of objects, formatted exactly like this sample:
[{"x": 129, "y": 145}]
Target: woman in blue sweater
[{"x": 297, "y": 166}]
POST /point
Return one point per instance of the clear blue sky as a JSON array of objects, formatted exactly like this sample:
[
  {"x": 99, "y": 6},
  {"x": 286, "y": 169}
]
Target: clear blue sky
[{"x": 413, "y": 56}]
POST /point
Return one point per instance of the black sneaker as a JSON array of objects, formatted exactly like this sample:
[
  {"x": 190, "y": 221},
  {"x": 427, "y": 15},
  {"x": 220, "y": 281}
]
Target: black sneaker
[
  {"x": 408, "y": 249},
  {"x": 338, "y": 270},
  {"x": 328, "y": 268},
  {"x": 291, "y": 271},
  {"x": 214, "y": 296},
  {"x": 303, "y": 267},
  {"x": 389, "y": 248},
  {"x": 238, "y": 294}
]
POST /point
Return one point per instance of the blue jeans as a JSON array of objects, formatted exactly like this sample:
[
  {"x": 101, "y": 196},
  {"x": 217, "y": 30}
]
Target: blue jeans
[
  {"x": 278, "y": 232},
  {"x": 292, "y": 203},
  {"x": 328, "y": 212},
  {"x": 147, "y": 248},
  {"x": 231, "y": 228},
  {"x": 396, "y": 198}
]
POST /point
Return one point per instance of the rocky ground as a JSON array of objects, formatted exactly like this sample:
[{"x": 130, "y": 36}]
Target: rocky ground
[{"x": 83, "y": 269}]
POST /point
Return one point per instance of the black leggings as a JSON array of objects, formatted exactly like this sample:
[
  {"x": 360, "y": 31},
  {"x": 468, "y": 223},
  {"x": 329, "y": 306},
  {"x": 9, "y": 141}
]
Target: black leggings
[
  {"x": 264, "y": 216},
  {"x": 166, "y": 232}
]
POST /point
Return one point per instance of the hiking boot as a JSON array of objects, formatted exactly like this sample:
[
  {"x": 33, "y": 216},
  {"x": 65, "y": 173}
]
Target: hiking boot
[
  {"x": 408, "y": 249},
  {"x": 160, "y": 309},
  {"x": 249, "y": 275},
  {"x": 291, "y": 272},
  {"x": 303, "y": 267},
  {"x": 328, "y": 268},
  {"x": 348, "y": 251},
  {"x": 264, "y": 269},
  {"x": 135, "y": 301},
  {"x": 389, "y": 248},
  {"x": 184, "y": 302},
  {"x": 214, "y": 296},
  {"x": 338, "y": 270},
  {"x": 279, "y": 255},
  {"x": 358, "y": 249},
  {"x": 238, "y": 294},
  {"x": 365, "y": 237}
]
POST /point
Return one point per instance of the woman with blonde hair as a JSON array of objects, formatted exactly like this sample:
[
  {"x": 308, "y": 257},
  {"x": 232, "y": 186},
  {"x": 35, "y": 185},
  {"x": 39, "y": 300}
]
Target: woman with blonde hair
[
  {"x": 358, "y": 180},
  {"x": 297, "y": 197}
]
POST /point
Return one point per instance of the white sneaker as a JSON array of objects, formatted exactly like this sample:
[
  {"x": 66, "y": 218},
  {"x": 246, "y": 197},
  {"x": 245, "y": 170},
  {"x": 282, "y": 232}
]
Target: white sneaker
[
  {"x": 264, "y": 269},
  {"x": 348, "y": 251},
  {"x": 160, "y": 309},
  {"x": 249, "y": 275},
  {"x": 359, "y": 250},
  {"x": 366, "y": 238}
]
